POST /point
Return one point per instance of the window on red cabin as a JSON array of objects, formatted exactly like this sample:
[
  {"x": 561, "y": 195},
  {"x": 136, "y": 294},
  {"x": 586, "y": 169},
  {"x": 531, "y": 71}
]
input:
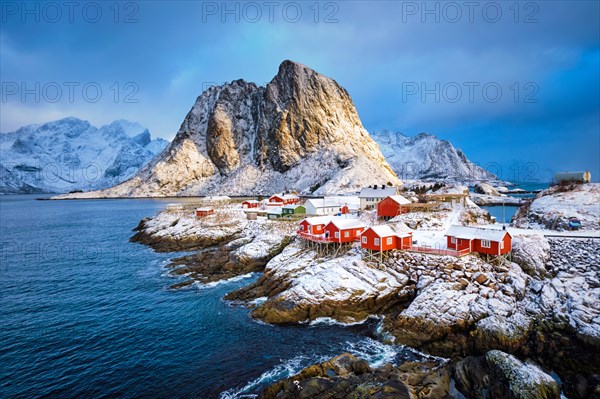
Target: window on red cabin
[
  {"x": 346, "y": 234},
  {"x": 388, "y": 241},
  {"x": 453, "y": 240},
  {"x": 486, "y": 244},
  {"x": 364, "y": 240},
  {"x": 376, "y": 242},
  {"x": 501, "y": 244}
]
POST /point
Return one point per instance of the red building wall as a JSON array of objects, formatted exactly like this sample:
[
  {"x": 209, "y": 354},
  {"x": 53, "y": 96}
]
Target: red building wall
[
  {"x": 352, "y": 233},
  {"x": 404, "y": 242},
  {"x": 275, "y": 200},
  {"x": 315, "y": 229},
  {"x": 494, "y": 248},
  {"x": 459, "y": 245},
  {"x": 370, "y": 244},
  {"x": 389, "y": 208},
  {"x": 477, "y": 247}
]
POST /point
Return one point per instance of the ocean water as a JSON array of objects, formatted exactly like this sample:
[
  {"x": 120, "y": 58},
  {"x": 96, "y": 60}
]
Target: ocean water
[
  {"x": 87, "y": 314},
  {"x": 501, "y": 215}
]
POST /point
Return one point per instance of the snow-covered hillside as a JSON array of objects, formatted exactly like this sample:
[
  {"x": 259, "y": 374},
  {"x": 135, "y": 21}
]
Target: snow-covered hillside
[
  {"x": 70, "y": 154},
  {"x": 554, "y": 207},
  {"x": 426, "y": 157},
  {"x": 299, "y": 132}
]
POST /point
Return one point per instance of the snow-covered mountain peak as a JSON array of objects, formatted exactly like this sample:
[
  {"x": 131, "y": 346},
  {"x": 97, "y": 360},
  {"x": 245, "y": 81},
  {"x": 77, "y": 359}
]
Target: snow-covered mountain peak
[
  {"x": 299, "y": 132},
  {"x": 71, "y": 154},
  {"x": 426, "y": 157}
]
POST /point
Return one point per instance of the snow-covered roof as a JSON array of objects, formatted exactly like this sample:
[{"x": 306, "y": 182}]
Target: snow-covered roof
[
  {"x": 345, "y": 199},
  {"x": 318, "y": 220},
  {"x": 385, "y": 230},
  {"x": 400, "y": 199},
  {"x": 275, "y": 211},
  {"x": 470, "y": 233},
  {"x": 285, "y": 196},
  {"x": 291, "y": 206},
  {"x": 252, "y": 202},
  {"x": 203, "y": 209},
  {"x": 324, "y": 203},
  {"x": 369, "y": 192},
  {"x": 344, "y": 224}
]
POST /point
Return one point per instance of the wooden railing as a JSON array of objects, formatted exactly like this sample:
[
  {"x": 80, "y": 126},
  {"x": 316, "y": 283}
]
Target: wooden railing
[
  {"x": 315, "y": 238},
  {"x": 438, "y": 251}
]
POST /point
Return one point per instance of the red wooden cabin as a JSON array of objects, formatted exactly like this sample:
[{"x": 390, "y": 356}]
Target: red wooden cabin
[
  {"x": 248, "y": 204},
  {"x": 391, "y": 206},
  {"x": 344, "y": 230},
  {"x": 203, "y": 212},
  {"x": 483, "y": 241},
  {"x": 384, "y": 238},
  {"x": 314, "y": 226},
  {"x": 283, "y": 199},
  {"x": 345, "y": 210}
]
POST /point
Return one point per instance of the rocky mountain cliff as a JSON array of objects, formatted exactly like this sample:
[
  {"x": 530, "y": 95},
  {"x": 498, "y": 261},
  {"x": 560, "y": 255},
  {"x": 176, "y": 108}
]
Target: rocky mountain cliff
[
  {"x": 70, "y": 154},
  {"x": 425, "y": 157},
  {"x": 299, "y": 132}
]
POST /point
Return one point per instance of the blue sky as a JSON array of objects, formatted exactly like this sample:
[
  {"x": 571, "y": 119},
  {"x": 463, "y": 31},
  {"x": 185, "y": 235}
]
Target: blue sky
[{"x": 515, "y": 85}]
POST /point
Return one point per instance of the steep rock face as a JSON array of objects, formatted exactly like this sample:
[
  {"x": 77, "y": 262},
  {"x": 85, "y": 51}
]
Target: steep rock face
[
  {"x": 71, "y": 154},
  {"x": 426, "y": 157},
  {"x": 299, "y": 132}
]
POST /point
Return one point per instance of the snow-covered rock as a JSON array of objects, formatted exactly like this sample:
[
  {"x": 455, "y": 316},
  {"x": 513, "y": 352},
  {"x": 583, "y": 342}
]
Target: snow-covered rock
[
  {"x": 70, "y": 154},
  {"x": 502, "y": 199},
  {"x": 299, "y": 132},
  {"x": 345, "y": 288},
  {"x": 501, "y": 375},
  {"x": 531, "y": 252},
  {"x": 525, "y": 380},
  {"x": 553, "y": 207},
  {"x": 484, "y": 188},
  {"x": 426, "y": 157}
]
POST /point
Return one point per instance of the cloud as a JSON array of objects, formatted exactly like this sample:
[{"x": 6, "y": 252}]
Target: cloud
[{"x": 374, "y": 50}]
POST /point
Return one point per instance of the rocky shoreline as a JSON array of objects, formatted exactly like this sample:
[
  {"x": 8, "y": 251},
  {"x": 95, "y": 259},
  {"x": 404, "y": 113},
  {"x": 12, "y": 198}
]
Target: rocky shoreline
[
  {"x": 493, "y": 375},
  {"x": 224, "y": 246},
  {"x": 543, "y": 306}
]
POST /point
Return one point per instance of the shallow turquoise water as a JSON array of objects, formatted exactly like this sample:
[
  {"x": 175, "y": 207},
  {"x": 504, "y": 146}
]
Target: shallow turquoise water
[{"x": 85, "y": 313}]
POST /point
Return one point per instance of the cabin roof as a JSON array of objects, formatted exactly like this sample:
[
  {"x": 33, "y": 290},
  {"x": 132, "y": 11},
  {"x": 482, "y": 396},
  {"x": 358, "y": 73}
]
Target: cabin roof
[
  {"x": 471, "y": 233},
  {"x": 292, "y": 206},
  {"x": 385, "y": 230},
  {"x": 276, "y": 210},
  {"x": 368, "y": 192},
  {"x": 324, "y": 202},
  {"x": 317, "y": 220},
  {"x": 285, "y": 196},
  {"x": 400, "y": 200},
  {"x": 252, "y": 202},
  {"x": 203, "y": 209},
  {"x": 345, "y": 224}
]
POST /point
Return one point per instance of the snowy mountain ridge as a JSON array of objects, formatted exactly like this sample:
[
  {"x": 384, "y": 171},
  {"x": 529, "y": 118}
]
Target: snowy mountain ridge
[
  {"x": 70, "y": 154},
  {"x": 425, "y": 157},
  {"x": 301, "y": 131}
]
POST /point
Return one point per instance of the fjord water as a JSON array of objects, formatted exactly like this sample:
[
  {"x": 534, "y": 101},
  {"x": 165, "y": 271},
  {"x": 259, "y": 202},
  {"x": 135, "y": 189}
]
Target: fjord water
[{"x": 85, "y": 313}]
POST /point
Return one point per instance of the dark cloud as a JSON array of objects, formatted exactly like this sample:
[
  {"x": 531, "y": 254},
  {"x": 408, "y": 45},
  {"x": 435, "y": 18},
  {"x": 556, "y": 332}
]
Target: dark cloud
[{"x": 547, "y": 51}]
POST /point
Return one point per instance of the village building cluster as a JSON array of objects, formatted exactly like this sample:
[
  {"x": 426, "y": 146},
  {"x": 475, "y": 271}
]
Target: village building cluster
[{"x": 330, "y": 224}]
